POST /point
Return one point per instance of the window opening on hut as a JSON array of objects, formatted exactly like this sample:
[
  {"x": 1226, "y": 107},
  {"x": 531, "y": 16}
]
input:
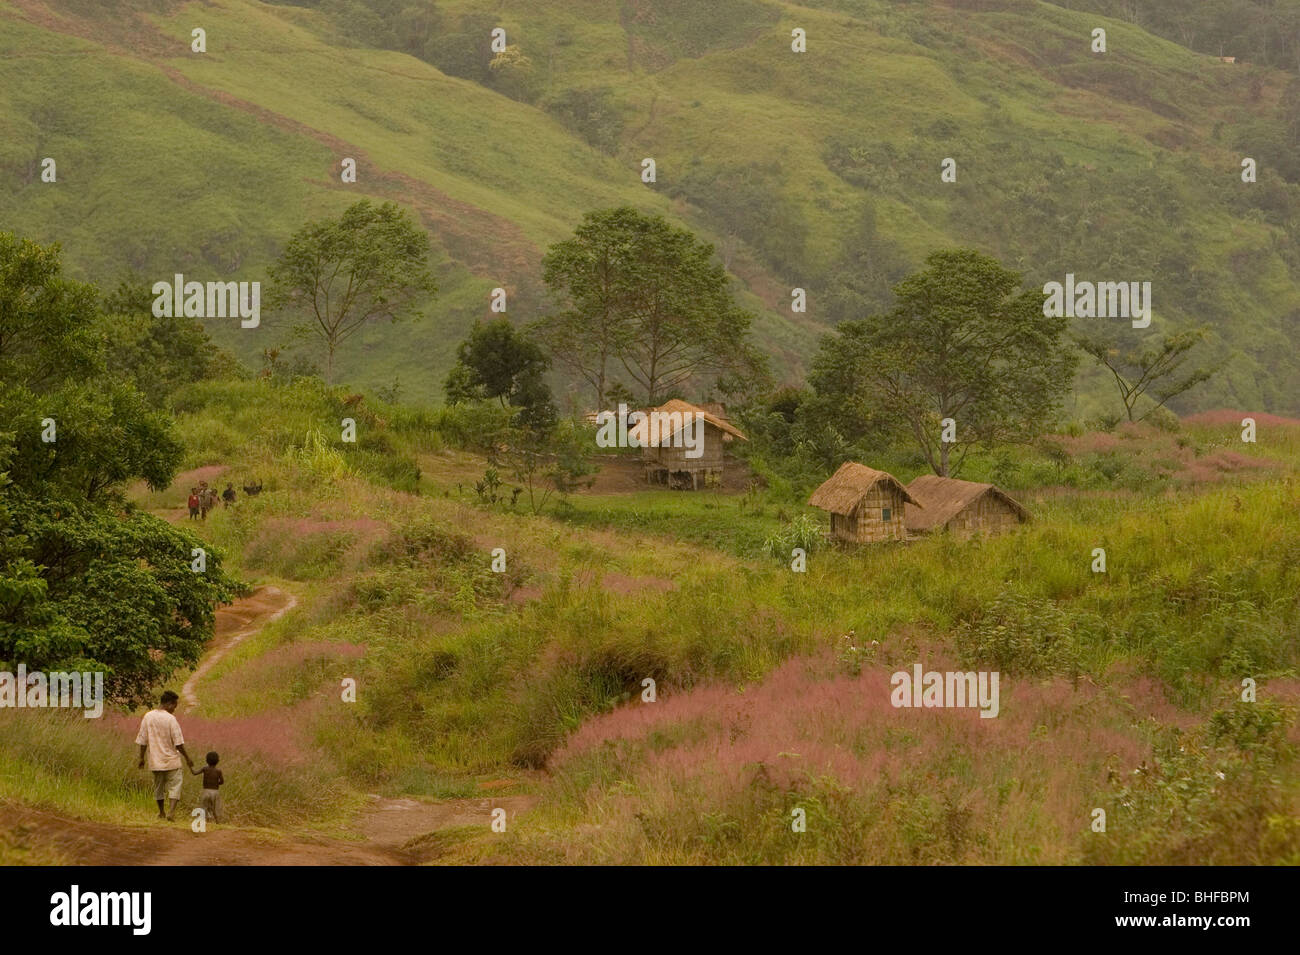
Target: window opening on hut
[{"x": 884, "y": 513}]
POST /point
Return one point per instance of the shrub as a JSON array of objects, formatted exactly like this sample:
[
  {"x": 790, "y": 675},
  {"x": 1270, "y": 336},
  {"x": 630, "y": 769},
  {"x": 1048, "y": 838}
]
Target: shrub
[
  {"x": 805, "y": 531},
  {"x": 1019, "y": 633}
]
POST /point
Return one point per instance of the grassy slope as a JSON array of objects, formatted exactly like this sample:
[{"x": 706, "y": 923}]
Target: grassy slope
[
  {"x": 462, "y": 679},
  {"x": 1131, "y": 171}
]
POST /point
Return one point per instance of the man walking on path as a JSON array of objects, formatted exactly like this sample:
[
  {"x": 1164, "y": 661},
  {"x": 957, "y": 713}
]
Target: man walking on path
[{"x": 160, "y": 737}]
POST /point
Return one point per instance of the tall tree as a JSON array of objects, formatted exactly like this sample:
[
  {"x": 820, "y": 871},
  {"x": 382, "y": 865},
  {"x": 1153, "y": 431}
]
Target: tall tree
[
  {"x": 588, "y": 271},
  {"x": 44, "y": 336},
  {"x": 653, "y": 298},
  {"x": 965, "y": 349},
  {"x": 87, "y": 581},
  {"x": 498, "y": 362},
  {"x": 684, "y": 323},
  {"x": 1154, "y": 368},
  {"x": 500, "y": 366},
  {"x": 157, "y": 354},
  {"x": 368, "y": 265}
]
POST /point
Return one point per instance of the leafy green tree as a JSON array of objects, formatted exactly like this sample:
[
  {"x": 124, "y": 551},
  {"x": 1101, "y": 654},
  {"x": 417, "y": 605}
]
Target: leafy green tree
[
  {"x": 504, "y": 373},
  {"x": 964, "y": 341},
  {"x": 498, "y": 362},
  {"x": 589, "y": 272},
  {"x": 650, "y": 296},
  {"x": 512, "y": 74},
  {"x": 1155, "y": 368},
  {"x": 84, "y": 587},
  {"x": 341, "y": 274},
  {"x": 844, "y": 411},
  {"x": 157, "y": 354},
  {"x": 44, "y": 338},
  {"x": 105, "y": 434},
  {"x": 86, "y": 580}
]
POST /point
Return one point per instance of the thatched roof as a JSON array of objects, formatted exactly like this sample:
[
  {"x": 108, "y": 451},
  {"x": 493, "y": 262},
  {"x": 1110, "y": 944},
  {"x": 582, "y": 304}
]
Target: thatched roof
[
  {"x": 642, "y": 432},
  {"x": 844, "y": 489},
  {"x": 944, "y": 498}
]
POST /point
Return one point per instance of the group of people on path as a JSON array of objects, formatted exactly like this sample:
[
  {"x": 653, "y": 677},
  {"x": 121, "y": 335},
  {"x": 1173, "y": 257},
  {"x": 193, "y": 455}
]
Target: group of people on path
[
  {"x": 162, "y": 746},
  {"x": 203, "y": 498}
]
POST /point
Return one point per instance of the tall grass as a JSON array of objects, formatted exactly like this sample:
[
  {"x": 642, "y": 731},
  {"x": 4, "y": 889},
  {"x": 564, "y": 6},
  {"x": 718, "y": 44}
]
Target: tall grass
[
  {"x": 463, "y": 672},
  {"x": 61, "y": 761}
]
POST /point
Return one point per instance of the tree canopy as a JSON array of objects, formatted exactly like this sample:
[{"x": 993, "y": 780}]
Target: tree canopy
[
  {"x": 368, "y": 265},
  {"x": 498, "y": 362},
  {"x": 1154, "y": 368},
  {"x": 965, "y": 343},
  {"x": 640, "y": 295},
  {"x": 86, "y": 580},
  {"x": 159, "y": 354}
]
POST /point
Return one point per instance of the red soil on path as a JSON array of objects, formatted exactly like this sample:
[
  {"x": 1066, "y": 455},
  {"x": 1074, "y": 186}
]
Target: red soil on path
[
  {"x": 391, "y": 831},
  {"x": 394, "y": 832},
  {"x": 157, "y": 843},
  {"x": 241, "y": 619}
]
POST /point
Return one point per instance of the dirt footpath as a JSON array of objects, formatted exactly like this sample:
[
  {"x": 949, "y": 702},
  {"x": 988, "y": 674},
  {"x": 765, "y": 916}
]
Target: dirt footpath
[
  {"x": 92, "y": 843},
  {"x": 240, "y": 620},
  {"x": 394, "y": 832},
  {"x": 390, "y": 831}
]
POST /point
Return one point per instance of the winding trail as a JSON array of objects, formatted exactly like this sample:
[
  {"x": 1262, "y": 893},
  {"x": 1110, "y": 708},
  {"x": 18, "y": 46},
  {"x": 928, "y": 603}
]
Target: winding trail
[
  {"x": 235, "y": 623},
  {"x": 391, "y": 831}
]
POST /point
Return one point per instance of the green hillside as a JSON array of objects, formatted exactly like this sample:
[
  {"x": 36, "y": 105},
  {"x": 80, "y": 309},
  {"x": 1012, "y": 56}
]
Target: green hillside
[{"x": 818, "y": 170}]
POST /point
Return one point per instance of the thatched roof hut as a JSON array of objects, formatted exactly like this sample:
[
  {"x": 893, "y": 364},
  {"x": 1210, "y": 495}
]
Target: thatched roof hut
[
  {"x": 963, "y": 507},
  {"x": 865, "y": 504},
  {"x": 648, "y": 436},
  {"x": 665, "y": 447}
]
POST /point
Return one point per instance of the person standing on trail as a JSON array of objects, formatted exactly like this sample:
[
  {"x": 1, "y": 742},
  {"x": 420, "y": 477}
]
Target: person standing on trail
[
  {"x": 213, "y": 780},
  {"x": 160, "y": 738},
  {"x": 228, "y": 495},
  {"x": 193, "y": 503}
]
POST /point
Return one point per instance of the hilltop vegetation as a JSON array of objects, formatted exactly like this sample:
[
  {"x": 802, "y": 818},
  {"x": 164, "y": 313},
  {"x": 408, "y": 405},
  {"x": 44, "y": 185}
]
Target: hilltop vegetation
[
  {"x": 1256, "y": 31},
  {"x": 816, "y": 170}
]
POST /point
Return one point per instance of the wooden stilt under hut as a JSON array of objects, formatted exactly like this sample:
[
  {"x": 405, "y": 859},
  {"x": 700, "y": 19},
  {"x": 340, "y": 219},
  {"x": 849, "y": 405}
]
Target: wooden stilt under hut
[{"x": 663, "y": 435}]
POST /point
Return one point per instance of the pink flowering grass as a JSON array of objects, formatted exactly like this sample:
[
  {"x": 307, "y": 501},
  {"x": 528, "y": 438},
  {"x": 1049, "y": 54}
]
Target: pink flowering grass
[
  {"x": 902, "y": 785},
  {"x": 1230, "y": 418},
  {"x": 274, "y": 776}
]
